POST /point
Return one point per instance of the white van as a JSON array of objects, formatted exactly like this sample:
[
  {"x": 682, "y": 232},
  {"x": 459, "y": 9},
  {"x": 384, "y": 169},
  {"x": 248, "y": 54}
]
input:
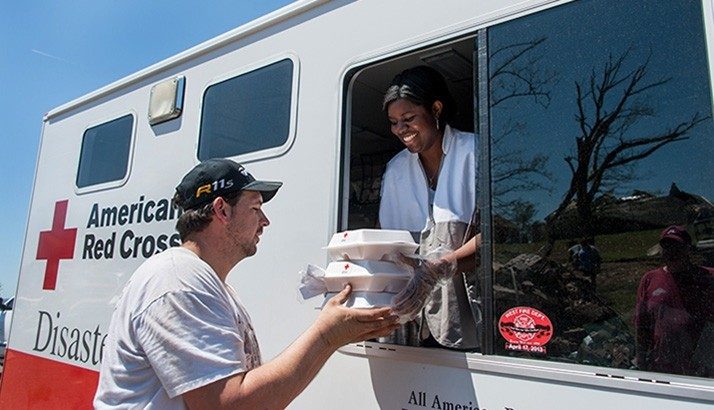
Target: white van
[{"x": 594, "y": 120}]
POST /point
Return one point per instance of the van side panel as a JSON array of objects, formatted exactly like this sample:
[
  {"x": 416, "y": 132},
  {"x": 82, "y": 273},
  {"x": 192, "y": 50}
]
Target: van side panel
[{"x": 35, "y": 382}]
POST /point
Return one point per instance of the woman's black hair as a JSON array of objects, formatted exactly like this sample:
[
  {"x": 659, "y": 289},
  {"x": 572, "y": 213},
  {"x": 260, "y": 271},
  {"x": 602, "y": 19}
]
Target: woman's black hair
[{"x": 422, "y": 85}]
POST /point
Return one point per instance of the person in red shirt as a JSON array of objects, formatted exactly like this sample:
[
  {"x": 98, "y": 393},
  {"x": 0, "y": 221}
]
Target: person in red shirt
[{"x": 674, "y": 314}]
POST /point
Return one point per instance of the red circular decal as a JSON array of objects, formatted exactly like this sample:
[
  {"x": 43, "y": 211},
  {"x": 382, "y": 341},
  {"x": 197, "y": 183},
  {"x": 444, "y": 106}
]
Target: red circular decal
[{"x": 525, "y": 326}]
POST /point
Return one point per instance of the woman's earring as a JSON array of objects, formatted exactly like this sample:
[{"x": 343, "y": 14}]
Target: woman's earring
[{"x": 437, "y": 121}]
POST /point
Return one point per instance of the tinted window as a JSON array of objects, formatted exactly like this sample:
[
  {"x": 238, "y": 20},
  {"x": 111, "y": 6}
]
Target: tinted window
[
  {"x": 247, "y": 113},
  {"x": 602, "y": 137},
  {"x": 105, "y": 152}
]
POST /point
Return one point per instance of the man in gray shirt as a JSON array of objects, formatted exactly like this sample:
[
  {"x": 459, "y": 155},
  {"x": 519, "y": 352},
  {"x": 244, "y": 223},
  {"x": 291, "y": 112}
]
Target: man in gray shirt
[{"x": 180, "y": 337}]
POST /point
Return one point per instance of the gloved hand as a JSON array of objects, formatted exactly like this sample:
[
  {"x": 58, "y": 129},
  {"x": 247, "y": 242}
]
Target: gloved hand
[{"x": 426, "y": 274}]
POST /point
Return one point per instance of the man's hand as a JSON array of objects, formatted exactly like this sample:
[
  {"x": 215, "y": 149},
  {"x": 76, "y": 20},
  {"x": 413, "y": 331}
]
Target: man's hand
[
  {"x": 276, "y": 383},
  {"x": 339, "y": 325}
]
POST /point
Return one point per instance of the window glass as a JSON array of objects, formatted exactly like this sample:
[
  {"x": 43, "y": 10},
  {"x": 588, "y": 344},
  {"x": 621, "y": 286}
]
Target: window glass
[
  {"x": 247, "y": 113},
  {"x": 601, "y": 138},
  {"x": 105, "y": 152}
]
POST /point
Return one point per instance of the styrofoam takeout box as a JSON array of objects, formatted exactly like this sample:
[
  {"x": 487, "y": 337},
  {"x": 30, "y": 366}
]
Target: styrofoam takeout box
[
  {"x": 371, "y": 244},
  {"x": 370, "y": 236},
  {"x": 364, "y": 299},
  {"x": 366, "y": 275}
]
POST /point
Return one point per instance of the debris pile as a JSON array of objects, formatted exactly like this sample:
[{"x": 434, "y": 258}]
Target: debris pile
[{"x": 586, "y": 329}]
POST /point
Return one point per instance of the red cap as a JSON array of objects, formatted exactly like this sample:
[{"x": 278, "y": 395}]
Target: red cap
[{"x": 676, "y": 233}]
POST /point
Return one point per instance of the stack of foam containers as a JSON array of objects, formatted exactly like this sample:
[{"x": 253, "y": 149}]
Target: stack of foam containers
[{"x": 357, "y": 259}]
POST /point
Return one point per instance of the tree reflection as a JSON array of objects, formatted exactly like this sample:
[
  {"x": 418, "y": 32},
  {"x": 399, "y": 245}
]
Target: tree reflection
[
  {"x": 609, "y": 145},
  {"x": 604, "y": 124},
  {"x": 517, "y": 73}
]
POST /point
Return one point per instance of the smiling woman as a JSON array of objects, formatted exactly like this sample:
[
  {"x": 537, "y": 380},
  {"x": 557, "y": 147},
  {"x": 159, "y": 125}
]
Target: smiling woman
[
  {"x": 417, "y": 128},
  {"x": 429, "y": 190}
]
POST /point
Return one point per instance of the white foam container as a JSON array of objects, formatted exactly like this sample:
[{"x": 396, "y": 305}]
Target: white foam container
[
  {"x": 370, "y": 236},
  {"x": 366, "y": 275},
  {"x": 371, "y": 244},
  {"x": 364, "y": 299}
]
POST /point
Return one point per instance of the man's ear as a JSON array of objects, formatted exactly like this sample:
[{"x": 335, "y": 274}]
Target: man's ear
[{"x": 221, "y": 210}]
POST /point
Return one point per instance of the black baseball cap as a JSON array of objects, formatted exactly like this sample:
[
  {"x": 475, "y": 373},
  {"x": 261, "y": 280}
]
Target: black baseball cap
[{"x": 218, "y": 177}]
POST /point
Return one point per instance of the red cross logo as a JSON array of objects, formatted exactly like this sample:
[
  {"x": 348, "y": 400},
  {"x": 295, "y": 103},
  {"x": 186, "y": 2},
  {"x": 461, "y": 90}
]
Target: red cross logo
[{"x": 56, "y": 244}]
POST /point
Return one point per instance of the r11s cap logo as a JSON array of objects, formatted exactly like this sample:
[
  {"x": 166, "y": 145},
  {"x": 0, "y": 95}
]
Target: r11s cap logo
[{"x": 214, "y": 186}]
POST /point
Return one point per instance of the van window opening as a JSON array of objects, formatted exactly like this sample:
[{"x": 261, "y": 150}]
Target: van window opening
[
  {"x": 569, "y": 266},
  {"x": 372, "y": 144}
]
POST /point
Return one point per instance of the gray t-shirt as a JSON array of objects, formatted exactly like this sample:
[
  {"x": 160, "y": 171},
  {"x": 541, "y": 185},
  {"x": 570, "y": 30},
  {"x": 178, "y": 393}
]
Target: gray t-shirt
[{"x": 176, "y": 327}]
